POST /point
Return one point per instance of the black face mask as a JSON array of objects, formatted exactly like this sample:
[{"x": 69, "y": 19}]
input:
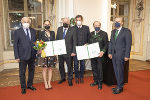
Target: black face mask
[
  {"x": 47, "y": 27},
  {"x": 65, "y": 25}
]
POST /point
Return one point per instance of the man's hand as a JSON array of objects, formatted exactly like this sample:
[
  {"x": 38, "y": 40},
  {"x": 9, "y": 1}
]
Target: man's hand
[
  {"x": 73, "y": 54},
  {"x": 101, "y": 54},
  {"x": 110, "y": 56},
  {"x": 86, "y": 44},
  {"x": 18, "y": 60},
  {"x": 126, "y": 59}
]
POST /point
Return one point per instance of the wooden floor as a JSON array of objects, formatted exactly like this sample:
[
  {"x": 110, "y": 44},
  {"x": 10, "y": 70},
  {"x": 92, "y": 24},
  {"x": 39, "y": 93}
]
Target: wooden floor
[{"x": 10, "y": 77}]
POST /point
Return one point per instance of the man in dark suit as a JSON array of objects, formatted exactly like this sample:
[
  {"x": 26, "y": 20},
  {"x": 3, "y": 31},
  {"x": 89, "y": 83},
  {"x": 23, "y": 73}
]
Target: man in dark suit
[
  {"x": 67, "y": 33},
  {"x": 102, "y": 38},
  {"x": 119, "y": 51},
  {"x": 24, "y": 39},
  {"x": 82, "y": 33}
]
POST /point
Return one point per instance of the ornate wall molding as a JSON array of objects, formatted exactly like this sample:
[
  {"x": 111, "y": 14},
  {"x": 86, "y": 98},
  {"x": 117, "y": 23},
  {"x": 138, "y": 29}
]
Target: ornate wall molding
[
  {"x": 139, "y": 9},
  {"x": 137, "y": 27}
]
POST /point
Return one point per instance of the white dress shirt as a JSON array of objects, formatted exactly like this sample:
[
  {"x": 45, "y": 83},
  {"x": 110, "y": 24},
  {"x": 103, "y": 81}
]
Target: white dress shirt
[
  {"x": 28, "y": 32},
  {"x": 66, "y": 30}
]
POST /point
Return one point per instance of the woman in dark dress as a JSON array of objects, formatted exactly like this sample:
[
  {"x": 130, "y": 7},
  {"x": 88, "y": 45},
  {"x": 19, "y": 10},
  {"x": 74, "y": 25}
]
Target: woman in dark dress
[{"x": 47, "y": 62}]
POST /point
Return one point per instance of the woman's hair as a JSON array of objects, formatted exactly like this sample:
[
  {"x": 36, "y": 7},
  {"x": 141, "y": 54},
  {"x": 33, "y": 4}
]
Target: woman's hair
[{"x": 46, "y": 21}]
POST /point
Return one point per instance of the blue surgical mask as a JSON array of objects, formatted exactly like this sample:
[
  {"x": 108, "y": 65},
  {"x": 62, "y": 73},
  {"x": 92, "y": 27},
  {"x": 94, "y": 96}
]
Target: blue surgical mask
[
  {"x": 117, "y": 24},
  {"x": 97, "y": 28}
]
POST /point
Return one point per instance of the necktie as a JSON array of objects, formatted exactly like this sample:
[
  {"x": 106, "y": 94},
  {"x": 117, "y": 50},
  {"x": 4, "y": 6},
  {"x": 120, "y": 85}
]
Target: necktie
[
  {"x": 116, "y": 34},
  {"x": 64, "y": 33},
  {"x": 28, "y": 34}
]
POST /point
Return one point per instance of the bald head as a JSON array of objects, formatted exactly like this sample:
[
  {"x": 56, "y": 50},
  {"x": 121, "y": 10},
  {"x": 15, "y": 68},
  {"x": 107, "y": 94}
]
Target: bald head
[
  {"x": 25, "y": 20},
  {"x": 97, "y": 24},
  {"x": 66, "y": 20}
]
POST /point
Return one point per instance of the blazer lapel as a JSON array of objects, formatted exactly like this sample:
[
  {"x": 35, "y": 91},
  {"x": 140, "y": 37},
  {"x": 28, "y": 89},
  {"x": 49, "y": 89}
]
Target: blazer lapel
[
  {"x": 62, "y": 31},
  {"x": 23, "y": 33},
  {"x": 68, "y": 31}
]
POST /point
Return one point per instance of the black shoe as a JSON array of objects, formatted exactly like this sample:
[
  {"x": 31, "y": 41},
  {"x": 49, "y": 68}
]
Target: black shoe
[
  {"x": 113, "y": 89},
  {"x": 23, "y": 91},
  {"x": 77, "y": 80},
  {"x": 99, "y": 86},
  {"x": 81, "y": 80},
  {"x": 117, "y": 91},
  {"x": 94, "y": 83},
  {"x": 70, "y": 83},
  {"x": 31, "y": 88},
  {"x": 61, "y": 81}
]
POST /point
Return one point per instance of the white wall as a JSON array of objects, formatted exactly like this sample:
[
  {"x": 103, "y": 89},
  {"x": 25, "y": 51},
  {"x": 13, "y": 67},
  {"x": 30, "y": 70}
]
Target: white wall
[
  {"x": 64, "y": 8},
  {"x": 92, "y": 10}
]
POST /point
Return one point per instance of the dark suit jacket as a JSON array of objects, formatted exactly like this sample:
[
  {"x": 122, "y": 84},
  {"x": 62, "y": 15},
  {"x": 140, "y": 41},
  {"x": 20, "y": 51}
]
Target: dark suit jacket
[
  {"x": 85, "y": 35},
  {"x": 70, "y": 39},
  {"x": 44, "y": 38},
  {"x": 122, "y": 45},
  {"x": 102, "y": 38},
  {"x": 23, "y": 47}
]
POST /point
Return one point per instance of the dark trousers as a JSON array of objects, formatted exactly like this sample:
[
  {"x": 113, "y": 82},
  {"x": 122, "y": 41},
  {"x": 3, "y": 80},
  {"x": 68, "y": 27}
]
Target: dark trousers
[
  {"x": 22, "y": 70},
  {"x": 79, "y": 74},
  {"x": 96, "y": 64},
  {"x": 118, "y": 65},
  {"x": 68, "y": 59}
]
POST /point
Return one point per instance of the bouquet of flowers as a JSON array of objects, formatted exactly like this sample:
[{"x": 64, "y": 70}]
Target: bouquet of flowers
[{"x": 40, "y": 45}]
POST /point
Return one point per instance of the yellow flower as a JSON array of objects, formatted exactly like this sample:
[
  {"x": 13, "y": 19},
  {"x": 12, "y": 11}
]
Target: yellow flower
[{"x": 40, "y": 44}]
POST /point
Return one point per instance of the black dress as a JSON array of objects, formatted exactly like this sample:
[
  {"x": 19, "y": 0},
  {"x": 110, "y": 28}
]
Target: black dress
[{"x": 47, "y": 61}]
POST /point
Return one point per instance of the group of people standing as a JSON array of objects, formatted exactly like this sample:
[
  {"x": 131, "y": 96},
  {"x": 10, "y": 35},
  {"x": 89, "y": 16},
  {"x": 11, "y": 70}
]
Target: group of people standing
[{"x": 79, "y": 35}]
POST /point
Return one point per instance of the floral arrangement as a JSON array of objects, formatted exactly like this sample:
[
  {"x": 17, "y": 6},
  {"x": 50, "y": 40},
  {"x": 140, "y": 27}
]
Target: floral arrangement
[
  {"x": 39, "y": 45},
  {"x": 72, "y": 22}
]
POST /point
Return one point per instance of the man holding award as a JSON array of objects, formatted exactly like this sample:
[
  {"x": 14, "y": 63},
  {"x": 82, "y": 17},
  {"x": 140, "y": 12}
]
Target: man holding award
[
  {"x": 83, "y": 33},
  {"x": 68, "y": 34},
  {"x": 102, "y": 38}
]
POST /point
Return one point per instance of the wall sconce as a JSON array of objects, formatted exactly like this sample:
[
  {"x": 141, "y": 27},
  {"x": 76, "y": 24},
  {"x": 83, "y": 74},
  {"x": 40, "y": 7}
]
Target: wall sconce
[{"x": 114, "y": 5}]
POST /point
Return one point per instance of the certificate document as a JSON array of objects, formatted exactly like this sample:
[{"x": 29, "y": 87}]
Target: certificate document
[
  {"x": 57, "y": 47},
  {"x": 49, "y": 49},
  {"x": 82, "y": 52},
  {"x": 94, "y": 50},
  {"x": 88, "y": 51}
]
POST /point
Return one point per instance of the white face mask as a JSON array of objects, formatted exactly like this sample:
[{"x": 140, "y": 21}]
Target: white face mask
[
  {"x": 25, "y": 25},
  {"x": 79, "y": 23}
]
